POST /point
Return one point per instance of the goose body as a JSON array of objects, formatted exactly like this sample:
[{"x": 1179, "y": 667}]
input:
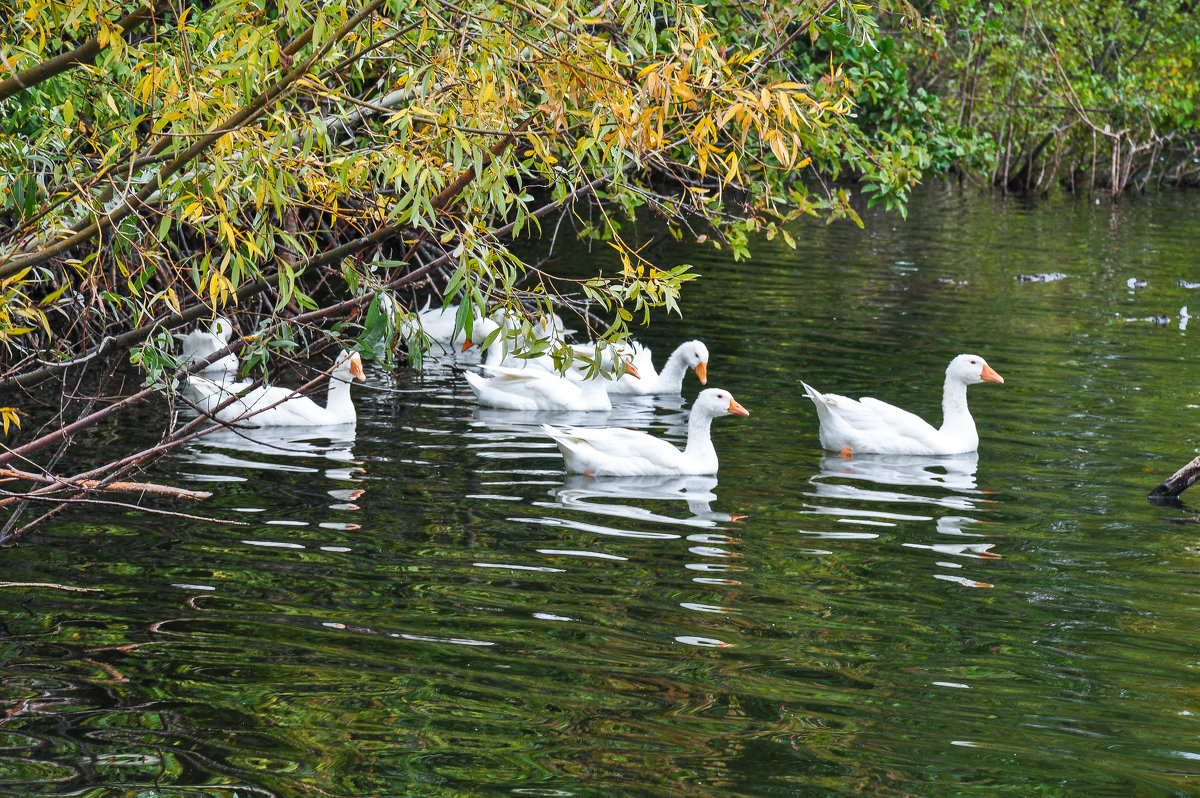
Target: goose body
[
  {"x": 208, "y": 393},
  {"x": 271, "y": 406},
  {"x": 537, "y": 389},
  {"x": 613, "y": 451},
  {"x": 199, "y": 344},
  {"x": 870, "y": 426},
  {"x": 438, "y": 325}
]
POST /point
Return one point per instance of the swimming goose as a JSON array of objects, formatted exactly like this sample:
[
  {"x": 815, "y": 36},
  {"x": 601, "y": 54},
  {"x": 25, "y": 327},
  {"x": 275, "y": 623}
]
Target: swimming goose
[
  {"x": 437, "y": 324},
  {"x": 688, "y": 355},
  {"x": 871, "y": 426},
  {"x": 613, "y": 451},
  {"x": 271, "y": 406}
]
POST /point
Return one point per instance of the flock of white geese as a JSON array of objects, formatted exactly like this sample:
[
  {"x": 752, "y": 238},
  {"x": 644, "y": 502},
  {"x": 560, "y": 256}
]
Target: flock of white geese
[{"x": 847, "y": 426}]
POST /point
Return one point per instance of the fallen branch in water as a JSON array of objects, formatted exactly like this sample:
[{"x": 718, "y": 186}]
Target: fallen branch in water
[
  {"x": 53, "y": 585},
  {"x": 95, "y": 484},
  {"x": 1178, "y": 482}
]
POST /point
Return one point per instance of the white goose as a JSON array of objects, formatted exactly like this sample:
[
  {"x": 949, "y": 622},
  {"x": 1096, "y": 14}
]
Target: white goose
[
  {"x": 688, "y": 355},
  {"x": 546, "y": 328},
  {"x": 271, "y": 406},
  {"x": 613, "y": 451},
  {"x": 199, "y": 344},
  {"x": 871, "y": 426}
]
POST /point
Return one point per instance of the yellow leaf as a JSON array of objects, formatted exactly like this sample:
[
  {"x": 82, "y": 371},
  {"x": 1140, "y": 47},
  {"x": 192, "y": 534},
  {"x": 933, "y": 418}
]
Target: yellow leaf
[
  {"x": 10, "y": 415},
  {"x": 780, "y": 150},
  {"x": 732, "y": 163},
  {"x": 728, "y": 113},
  {"x": 681, "y": 90}
]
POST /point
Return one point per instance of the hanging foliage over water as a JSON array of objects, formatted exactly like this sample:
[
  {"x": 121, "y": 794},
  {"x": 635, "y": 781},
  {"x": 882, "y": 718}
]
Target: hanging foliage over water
[{"x": 287, "y": 164}]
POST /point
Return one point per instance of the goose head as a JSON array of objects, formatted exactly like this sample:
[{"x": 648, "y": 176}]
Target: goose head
[
  {"x": 970, "y": 369},
  {"x": 347, "y": 366},
  {"x": 695, "y": 356},
  {"x": 716, "y": 402}
]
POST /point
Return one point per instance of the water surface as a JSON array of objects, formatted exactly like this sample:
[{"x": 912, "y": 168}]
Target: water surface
[{"x": 427, "y": 604}]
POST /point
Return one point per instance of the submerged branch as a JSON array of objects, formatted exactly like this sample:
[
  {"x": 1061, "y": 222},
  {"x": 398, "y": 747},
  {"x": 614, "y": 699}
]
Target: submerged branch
[{"x": 1178, "y": 482}]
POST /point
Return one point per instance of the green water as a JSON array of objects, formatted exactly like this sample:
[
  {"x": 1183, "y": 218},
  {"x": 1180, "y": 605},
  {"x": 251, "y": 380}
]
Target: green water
[{"x": 434, "y": 608}]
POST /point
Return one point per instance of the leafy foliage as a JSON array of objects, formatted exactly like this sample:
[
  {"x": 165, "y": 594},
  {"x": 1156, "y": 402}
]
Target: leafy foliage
[
  {"x": 1092, "y": 93},
  {"x": 214, "y": 153}
]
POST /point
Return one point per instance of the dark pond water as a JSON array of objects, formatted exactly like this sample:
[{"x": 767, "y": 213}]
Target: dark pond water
[{"x": 432, "y": 607}]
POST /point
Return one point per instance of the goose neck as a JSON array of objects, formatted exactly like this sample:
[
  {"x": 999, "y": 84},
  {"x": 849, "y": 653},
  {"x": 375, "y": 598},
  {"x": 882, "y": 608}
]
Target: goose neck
[
  {"x": 338, "y": 402},
  {"x": 955, "y": 414},
  {"x": 670, "y": 379},
  {"x": 699, "y": 439}
]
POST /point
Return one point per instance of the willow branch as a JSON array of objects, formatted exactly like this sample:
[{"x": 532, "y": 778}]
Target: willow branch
[
  {"x": 83, "y": 54},
  {"x": 239, "y": 119}
]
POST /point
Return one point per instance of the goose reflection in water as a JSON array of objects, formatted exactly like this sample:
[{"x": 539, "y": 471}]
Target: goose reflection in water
[
  {"x": 225, "y": 452},
  {"x": 953, "y": 476},
  {"x": 228, "y": 453},
  {"x": 956, "y": 472},
  {"x": 946, "y": 481},
  {"x": 579, "y": 490}
]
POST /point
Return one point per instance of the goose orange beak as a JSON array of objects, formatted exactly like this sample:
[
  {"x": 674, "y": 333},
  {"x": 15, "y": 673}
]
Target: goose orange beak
[
  {"x": 735, "y": 409},
  {"x": 356, "y": 369},
  {"x": 702, "y": 373},
  {"x": 631, "y": 371},
  {"x": 989, "y": 374},
  {"x": 466, "y": 345}
]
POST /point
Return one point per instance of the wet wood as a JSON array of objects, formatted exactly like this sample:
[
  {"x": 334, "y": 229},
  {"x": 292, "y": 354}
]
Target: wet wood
[
  {"x": 1178, "y": 482},
  {"x": 97, "y": 485}
]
